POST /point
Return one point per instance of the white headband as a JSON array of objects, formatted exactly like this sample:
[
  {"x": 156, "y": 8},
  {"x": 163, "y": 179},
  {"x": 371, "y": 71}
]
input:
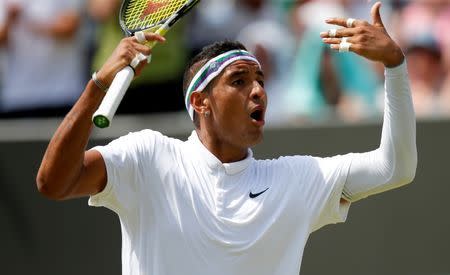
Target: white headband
[{"x": 211, "y": 70}]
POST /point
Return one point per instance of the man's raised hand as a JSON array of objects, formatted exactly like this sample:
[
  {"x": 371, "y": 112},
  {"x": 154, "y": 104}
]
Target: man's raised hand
[
  {"x": 368, "y": 40},
  {"x": 124, "y": 54}
]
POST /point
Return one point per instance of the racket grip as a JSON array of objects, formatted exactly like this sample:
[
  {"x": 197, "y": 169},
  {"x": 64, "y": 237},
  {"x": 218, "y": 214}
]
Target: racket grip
[{"x": 103, "y": 116}]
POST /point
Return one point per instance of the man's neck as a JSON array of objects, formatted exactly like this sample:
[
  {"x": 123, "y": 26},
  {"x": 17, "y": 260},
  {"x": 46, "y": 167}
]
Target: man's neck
[{"x": 225, "y": 152}]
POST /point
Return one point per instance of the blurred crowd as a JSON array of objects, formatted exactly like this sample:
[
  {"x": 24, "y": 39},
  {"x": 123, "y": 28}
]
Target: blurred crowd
[{"x": 49, "y": 48}]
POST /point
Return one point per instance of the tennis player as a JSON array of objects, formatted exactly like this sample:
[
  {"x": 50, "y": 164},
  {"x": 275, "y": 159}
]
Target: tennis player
[{"x": 205, "y": 205}]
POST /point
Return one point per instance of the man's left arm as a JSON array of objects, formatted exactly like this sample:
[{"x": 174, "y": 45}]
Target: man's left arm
[{"x": 394, "y": 163}]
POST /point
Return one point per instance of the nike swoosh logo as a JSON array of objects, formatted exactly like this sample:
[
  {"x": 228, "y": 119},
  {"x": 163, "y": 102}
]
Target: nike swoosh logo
[{"x": 252, "y": 196}]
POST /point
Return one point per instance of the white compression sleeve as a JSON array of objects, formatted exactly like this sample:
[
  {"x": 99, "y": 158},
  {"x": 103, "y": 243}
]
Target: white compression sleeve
[{"x": 394, "y": 163}]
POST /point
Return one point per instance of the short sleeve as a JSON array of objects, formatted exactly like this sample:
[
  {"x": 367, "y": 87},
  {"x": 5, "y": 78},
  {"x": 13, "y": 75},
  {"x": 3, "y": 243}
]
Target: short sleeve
[
  {"x": 127, "y": 159},
  {"x": 328, "y": 185}
]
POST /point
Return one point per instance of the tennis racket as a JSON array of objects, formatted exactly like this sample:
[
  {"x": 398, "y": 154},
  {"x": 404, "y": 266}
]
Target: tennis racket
[{"x": 156, "y": 16}]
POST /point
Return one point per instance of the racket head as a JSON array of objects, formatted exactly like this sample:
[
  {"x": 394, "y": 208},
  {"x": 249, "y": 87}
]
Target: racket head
[{"x": 150, "y": 15}]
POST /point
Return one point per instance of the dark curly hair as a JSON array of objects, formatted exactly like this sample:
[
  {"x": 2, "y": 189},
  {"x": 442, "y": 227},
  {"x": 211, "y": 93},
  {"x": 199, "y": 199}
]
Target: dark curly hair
[{"x": 206, "y": 54}]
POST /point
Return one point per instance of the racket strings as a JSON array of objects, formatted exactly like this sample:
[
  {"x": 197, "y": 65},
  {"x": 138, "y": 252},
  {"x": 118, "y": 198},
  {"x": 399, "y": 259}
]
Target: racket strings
[{"x": 141, "y": 14}]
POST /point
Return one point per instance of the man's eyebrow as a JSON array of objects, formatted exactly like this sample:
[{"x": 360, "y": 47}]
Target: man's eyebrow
[
  {"x": 243, "y": 72},
  {"x": 238, "y": 72}
]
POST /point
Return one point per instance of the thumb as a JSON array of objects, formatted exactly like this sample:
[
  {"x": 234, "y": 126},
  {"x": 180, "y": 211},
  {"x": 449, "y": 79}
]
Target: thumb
[{"x": 376, "y": 17}]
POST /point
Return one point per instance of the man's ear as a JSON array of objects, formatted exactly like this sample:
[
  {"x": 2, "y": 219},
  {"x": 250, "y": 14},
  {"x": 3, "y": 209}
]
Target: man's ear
[{"x": 200, "y": 102}]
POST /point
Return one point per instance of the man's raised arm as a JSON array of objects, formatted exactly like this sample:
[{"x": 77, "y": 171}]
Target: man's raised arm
[
  {"x": 394, "y": 163},
  {"x": 67, "y": 170}
]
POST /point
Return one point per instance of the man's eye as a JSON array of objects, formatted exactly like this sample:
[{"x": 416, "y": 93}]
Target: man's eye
[
  {"x": 238, "y": 82},
  {"x": 261, "y": 82}
]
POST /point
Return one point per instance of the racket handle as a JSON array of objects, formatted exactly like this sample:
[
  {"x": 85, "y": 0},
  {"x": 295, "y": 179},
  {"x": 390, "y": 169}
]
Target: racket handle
[{"x": 103, "y": 116}]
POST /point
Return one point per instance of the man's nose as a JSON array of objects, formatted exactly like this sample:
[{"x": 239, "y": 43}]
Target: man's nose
[{"x": 258, "y": 92}]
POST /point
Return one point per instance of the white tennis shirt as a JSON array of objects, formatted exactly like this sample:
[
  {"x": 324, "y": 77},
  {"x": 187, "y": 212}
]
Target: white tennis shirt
[{"x": 182, "y": 211}]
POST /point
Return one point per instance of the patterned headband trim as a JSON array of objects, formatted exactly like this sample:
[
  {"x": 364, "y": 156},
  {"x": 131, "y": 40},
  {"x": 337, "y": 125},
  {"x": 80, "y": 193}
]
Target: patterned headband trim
[{"x": 211, "y": 70}]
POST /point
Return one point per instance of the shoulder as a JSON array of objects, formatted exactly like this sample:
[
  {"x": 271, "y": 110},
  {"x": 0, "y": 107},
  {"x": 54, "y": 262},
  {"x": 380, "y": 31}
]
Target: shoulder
[
  {"x": 286, "y": 161},
  {"x": 305, "y": 165},
  {"x": 337, "y": 162},
  {"x": 147, "y": 136},
  {"x": 293, "y": 164},
  {"x": 143, "y": 141}
]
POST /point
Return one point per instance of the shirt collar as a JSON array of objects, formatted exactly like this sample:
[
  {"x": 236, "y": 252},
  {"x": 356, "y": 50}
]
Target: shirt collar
[{"x": 214, "y": 163}]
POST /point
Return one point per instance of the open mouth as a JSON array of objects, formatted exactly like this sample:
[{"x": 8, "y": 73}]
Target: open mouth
[{"x": 257, "y": 115}]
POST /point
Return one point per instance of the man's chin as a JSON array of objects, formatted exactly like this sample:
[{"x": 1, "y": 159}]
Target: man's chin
[{"x": 257, "y": 139}]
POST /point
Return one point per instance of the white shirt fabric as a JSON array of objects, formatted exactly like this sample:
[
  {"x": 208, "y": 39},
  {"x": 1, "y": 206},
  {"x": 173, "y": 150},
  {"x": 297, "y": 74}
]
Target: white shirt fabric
[
  {"x": 394, "y": 162},
  {"x": 41, "y": 71},
  {"x": 184, "y": 212}
]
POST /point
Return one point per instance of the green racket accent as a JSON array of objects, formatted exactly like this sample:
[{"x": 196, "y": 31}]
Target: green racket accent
[
  {"x": 144, "y": 14},
  {"x": 101, "y": 121}
]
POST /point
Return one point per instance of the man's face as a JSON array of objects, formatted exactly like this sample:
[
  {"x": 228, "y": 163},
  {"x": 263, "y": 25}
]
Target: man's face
[{"x": 238, "y": 103}]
